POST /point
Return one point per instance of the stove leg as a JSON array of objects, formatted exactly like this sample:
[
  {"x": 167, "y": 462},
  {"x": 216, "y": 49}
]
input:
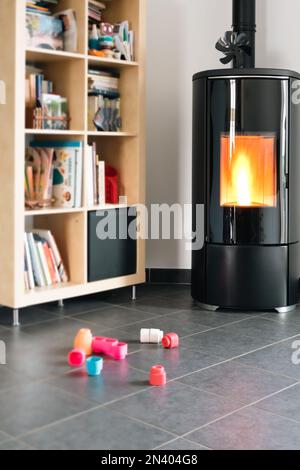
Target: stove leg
[
  {"x": 288, "y": 309},
  {"x": 16, "y": 320},
  {"x": 133, "y": 295},
  {"x": 210, "y": 308},
  {"x": 60, "y": 304}
]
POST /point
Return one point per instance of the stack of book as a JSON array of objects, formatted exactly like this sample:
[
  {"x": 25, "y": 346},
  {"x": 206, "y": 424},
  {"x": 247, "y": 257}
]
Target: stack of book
[
  {"x": 53, "y": 174},
  {"x": 95, "y": 178},
  {"x": 43, "y": 263},
  {"x": 95, "y": 13},
  {"x": 40, "y": 7},
  {"x": 44, "y": 109},
  {"x": 104, "y": 101}
]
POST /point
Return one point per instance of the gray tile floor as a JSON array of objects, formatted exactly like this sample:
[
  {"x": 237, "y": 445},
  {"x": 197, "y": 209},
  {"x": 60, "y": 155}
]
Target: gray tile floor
[{"x": 231, "y": 384}]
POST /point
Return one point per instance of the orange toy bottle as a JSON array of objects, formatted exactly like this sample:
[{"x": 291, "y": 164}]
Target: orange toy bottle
[{"x": 83, "y": 341}]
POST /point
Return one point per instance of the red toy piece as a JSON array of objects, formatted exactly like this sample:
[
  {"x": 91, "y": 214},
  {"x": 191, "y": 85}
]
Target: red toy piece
[
  {"x": 158, "y": 376},
  {"x": 170, "y": 341},
  {"x": 77, "y": 358}
]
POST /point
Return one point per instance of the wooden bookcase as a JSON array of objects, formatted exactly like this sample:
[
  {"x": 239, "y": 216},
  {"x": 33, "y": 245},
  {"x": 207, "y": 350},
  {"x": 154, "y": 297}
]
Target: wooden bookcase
[{"x": 124, "y": 150}]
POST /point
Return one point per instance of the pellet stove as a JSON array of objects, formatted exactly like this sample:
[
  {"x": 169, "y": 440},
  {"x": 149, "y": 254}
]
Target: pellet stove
[{"x": 246, "y": 172}]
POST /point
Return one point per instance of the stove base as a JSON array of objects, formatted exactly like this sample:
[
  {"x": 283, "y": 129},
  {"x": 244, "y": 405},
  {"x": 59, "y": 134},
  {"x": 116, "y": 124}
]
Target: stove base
[
  {"x": 289, "y": 309},
  {"x": 252, "y": 278},
  {"x": 210, "y": 308}
]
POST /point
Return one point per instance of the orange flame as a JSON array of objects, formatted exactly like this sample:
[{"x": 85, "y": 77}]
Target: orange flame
[{"x": 248, "y": 171}]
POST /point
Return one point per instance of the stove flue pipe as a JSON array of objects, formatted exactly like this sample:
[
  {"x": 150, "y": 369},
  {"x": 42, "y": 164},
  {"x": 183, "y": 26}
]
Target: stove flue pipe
[{"x": 244, "y": 21}]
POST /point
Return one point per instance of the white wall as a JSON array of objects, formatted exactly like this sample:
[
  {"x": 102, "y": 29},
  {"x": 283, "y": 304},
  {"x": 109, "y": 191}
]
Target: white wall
[{"x": 181, "y": 39}]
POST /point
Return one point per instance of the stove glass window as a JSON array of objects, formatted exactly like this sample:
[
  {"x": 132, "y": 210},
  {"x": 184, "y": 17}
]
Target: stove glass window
[{"x": 248, "y": 170}]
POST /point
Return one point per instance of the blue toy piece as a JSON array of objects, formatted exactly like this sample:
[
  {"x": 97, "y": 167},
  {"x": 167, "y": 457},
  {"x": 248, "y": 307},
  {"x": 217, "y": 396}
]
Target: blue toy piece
[{"x": 94, "y": 366}]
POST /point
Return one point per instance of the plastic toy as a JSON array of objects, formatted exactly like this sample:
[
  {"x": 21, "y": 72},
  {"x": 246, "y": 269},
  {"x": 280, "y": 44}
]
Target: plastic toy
[
  {"x": 170, "y": 341},
  {"x": 94, "y": 366},
  {"x": 96, "y": 53},
  {"x": 108, "y": 344},
  {"x": 83, "y": 341},
  {"x": 119, "y": 351},
  {"x": 76, "y": 358},
  {"x": 158, "y": 376},
  {"x": 110, "y": 347},
  {"x": 151, "y": 336},
  {"x": 97, "y": 344}
]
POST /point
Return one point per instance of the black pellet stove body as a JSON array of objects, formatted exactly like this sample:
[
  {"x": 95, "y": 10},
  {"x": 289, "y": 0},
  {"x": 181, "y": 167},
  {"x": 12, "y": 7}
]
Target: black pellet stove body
[{"x": 246, "y": 172}]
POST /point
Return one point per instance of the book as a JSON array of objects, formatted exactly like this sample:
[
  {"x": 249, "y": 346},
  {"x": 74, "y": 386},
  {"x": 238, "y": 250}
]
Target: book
[
  {"x": 36, "y": 265},
  {"x": 43, "y": 261},
  {"x": 95, "y": 181},
  {"x": 50, "y": 264},
  {"x": 57, "y": 276},
  {"x": 47, "y": 235},
  {"x": 65, "y": 177},
  {"x": 31, "y": 283},
  {"x": 101, "y": 182},
  {"x": 78, "y": 176},
  {"x": 90, "y": 176}
]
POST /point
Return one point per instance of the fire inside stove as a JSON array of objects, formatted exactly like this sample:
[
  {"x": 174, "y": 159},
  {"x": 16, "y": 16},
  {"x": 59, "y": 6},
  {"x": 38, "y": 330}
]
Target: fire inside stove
[{"x": 248, "y": 171}]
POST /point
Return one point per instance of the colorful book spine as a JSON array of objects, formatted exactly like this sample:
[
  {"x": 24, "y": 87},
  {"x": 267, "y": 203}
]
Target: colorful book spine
[
  {"x": 36, "y": 266},
  {"x": 31, "y": 283}
]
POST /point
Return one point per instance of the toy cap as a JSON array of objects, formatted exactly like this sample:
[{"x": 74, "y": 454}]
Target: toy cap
[
  {"x": 170, "y": 340},
  {"x": 76, "y": 358},
  {"x": 158, "y": 376}
]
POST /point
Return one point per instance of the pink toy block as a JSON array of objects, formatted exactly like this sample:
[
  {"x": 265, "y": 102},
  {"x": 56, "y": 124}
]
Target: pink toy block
[
  {"x": 108, "y": 345},
  {"x": 119, "y": 351},
  {"x": 77, "y": 358},
  {"x": 97, "y": 344}
]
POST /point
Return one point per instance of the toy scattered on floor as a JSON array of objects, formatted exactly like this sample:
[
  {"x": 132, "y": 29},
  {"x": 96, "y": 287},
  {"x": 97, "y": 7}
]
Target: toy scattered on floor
[
  {"x": 83, "y": 341},
  {"x": 94, "y": 366},
  {"x": 170, "y": 341},
  {"x": 77, "y": 358},
  {"x": 151, "y": 336},
  {"x": 110, "y": 347},
  {"x": 158, "y": 376}
]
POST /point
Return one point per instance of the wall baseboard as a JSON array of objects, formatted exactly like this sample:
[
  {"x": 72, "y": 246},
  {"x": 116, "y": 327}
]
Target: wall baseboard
[{"x": 168, "y": 276}]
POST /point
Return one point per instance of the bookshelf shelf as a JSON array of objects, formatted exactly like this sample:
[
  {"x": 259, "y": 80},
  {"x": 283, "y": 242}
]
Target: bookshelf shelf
[
  {"x": 53, "y": 132},
  {"x": 111, "y": 134},
  {"x": 125, "y": 150},
  {"x": 52, "y": 211},
  {"x": 104, "y": 207},
  {"x": 45, "y": 55},
  {"x": 111, "y": 62}
]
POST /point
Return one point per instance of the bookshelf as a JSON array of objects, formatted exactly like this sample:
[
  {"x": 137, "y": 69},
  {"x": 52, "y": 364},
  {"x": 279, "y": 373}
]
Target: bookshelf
[{"x": 124, "y": 150}]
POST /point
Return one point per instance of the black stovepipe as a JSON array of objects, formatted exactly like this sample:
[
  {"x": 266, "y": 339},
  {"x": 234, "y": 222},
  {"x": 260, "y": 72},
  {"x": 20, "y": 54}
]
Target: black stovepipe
[{"x": 244, "y": 21}]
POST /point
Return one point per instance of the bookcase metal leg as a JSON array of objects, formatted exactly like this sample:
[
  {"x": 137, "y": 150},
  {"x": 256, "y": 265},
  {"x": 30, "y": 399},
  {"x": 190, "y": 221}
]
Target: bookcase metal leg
[
  {"x": 133, "y": 296},
  {"x": 61, "y": 304},
  {"x": 16, "y": 320}
]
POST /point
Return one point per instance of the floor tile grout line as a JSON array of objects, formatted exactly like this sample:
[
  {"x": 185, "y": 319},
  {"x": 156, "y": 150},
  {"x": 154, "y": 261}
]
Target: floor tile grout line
[
  {"x": 178, "y": 438},
  {"x": 138, "y": 420},
  {"x": 81, "y": 413},
  {"x": 275, "y": 374},
  {"x": 252, "y": 404},
  {"x": 225, "y": 361},
  {"x": 217, "y": 328}
]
